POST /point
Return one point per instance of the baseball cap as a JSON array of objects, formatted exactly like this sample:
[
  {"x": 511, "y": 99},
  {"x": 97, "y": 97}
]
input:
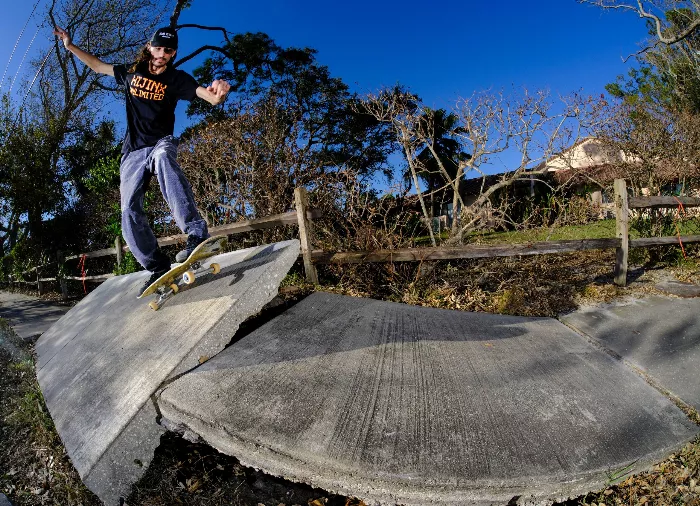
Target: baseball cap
[{"x": 164, "y": 37}]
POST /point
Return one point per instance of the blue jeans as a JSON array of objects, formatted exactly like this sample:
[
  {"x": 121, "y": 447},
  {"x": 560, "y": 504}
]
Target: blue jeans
[{"x": 136, "y": 170}]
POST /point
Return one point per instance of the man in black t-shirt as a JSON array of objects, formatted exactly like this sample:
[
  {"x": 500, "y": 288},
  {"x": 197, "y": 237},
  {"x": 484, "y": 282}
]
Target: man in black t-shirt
[{"x": 152, "y": 87}]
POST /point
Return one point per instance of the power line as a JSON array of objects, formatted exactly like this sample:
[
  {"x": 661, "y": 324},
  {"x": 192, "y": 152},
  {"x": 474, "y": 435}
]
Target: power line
[
  {"x": 23, "y": 58},
  {"x": 17, "y": 42},
  {"x": 29, "y": 88}
]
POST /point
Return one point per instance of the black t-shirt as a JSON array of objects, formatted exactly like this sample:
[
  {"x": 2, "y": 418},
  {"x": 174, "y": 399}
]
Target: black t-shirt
[{"x": 150, "y": 103}]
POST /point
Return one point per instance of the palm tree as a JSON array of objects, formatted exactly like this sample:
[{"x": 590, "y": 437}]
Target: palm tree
[{"x": 441, "y": 156}]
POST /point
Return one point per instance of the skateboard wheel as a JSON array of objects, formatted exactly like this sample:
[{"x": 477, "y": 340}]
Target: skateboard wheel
[
  {"x": 215, "y": 268},
  {"x": 153, "y": 305},
  {"x": 174, "y": 287},
  {"x": 188, "y": 277}
]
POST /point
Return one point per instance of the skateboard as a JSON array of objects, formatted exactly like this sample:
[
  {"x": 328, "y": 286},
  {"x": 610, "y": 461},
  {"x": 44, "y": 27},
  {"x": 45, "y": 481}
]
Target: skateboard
[{"x": 168, "y": 284}]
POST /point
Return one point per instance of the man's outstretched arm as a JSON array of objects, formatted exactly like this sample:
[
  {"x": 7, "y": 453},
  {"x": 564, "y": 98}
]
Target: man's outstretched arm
[{"x": 88, "y": 59}]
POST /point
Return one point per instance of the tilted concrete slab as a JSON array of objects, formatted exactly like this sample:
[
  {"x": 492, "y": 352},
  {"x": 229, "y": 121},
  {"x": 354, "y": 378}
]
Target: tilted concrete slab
[
  {"x": 659, "y": 335},
  {"x": 411, "y": 405},
  {"x": 29, "y": 316},
  {"x": 100, "y": 365}
]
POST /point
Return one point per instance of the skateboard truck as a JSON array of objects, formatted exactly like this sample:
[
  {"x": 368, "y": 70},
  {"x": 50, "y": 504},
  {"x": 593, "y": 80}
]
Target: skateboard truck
[{"x": 188, "y": 278}]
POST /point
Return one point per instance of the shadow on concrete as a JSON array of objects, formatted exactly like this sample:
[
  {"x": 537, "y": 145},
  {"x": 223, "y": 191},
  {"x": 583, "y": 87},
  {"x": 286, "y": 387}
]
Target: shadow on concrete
[{"x": 236, "y": 272}]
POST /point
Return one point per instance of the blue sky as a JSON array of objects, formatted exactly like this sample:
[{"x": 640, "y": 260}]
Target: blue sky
[{"x": 440, "y": 50}]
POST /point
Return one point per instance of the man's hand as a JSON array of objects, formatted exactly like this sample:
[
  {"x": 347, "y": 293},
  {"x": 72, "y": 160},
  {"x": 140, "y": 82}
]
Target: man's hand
[
  {"x": 88, "y": 59},
  {"x": 220, "y": 89},
  {"x": 65, "y": 36}
]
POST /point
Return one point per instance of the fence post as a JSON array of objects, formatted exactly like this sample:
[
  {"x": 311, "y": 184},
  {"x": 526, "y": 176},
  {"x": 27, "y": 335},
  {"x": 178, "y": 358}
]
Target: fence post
[
  {"x": 305, "y": 233},
  {"x": 622, "y": 231},
  {"x": 120, "y": 252},
  {"x": 39, "y": 284},
  {"x": 59, "y": 274}
]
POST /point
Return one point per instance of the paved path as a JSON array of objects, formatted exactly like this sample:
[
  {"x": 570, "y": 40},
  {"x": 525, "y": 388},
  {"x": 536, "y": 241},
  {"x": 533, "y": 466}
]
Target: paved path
[
  {"x": 412, "y": 405},
  {"x": 658, "y": 335},
  {"x": 29, "y": 316}
]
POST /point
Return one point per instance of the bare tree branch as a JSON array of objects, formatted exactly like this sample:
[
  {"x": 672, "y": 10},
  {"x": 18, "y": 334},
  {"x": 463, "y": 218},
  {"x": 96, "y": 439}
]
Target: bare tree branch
[
  {"x": 181, "y": 4},
  {"x": 199, "y": 51},
  {"x": 658, "y": 24},
  {"x": 203, "y": 27}
]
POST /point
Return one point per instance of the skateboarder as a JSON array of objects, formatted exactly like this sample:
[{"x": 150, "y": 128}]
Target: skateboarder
[{"x": 152, "y": 87}]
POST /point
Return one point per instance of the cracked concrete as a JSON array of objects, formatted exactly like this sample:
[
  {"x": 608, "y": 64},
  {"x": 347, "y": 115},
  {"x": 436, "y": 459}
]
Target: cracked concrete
[{"x": 102, "y": 363}]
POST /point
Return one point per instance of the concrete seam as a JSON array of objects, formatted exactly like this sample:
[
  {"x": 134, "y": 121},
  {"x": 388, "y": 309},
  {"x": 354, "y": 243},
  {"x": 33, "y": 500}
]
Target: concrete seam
[{"x": 686, "y": 408}]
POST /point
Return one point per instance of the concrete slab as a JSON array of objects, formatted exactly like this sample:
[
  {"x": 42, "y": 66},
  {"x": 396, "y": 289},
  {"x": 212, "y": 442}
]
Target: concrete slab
[
  {"x": 659, "y": 335},
  {"x": 411, "y": 405},
  {"x": 29, "y": 316},
  {"x": 100, "y": 365}
]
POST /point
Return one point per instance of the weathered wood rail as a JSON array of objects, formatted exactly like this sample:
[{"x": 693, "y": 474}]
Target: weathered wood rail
[
  {"x": 303, "y": 218},
  {"x": 468, "y": 251},
  {"x": 623, "y": 204},
  {"x": 622, "y": 243}
]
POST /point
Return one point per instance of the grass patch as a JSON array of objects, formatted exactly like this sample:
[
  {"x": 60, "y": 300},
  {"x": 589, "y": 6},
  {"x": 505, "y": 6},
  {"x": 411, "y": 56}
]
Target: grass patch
[
  {"x": 596, "y": 230},
  {"x": 543, "y": 285},
  {"x": 601, "y": 229}
]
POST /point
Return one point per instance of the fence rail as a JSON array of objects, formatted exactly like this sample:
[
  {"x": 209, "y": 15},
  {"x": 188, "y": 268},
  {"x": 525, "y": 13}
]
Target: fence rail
[
  {"x": 661, "y": 202},
  {"x": 468, "y": 251},
  {"x": 303, "y": 218}
]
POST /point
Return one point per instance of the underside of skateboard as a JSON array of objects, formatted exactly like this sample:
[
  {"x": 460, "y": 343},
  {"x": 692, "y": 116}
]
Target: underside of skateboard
[{"x": 170, "y": 288}]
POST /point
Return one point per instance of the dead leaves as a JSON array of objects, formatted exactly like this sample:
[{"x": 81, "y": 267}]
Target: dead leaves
[{"x": 673, "y": 481}]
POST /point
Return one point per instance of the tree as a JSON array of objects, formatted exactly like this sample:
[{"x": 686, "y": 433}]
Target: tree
[
  {"x": 55, "y": 130},
  {"x": 666, "y": 31},
  {"x": 441, "y": 156},
  {"x": 293, "y": 124},
  {"x": 658, "y": 105},
  {"x": 485, "y": 126},
  {"x": 37, "y": 161}
]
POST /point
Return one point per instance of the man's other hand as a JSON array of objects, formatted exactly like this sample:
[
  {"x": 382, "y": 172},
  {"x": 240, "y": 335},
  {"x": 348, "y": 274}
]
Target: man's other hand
[{"x": 220, "y": 89}]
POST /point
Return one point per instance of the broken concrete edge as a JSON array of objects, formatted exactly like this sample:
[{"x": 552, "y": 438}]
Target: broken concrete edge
[
  {"x": 213, "y": 344},
  {"x": 376, "y": 490},
  {"x": 115, "y": 473},
  {"x": 12, "y": 343}
]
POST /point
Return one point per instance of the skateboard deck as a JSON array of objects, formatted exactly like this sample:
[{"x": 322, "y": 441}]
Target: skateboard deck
[{"x": 168, "y": 284}]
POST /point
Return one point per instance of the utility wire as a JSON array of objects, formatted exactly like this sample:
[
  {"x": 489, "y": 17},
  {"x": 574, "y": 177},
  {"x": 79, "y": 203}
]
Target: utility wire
[
  {"x": 17, "y": 42},
  {"x": 29, "y": 88},
  {"x": 23, "y": 58}
]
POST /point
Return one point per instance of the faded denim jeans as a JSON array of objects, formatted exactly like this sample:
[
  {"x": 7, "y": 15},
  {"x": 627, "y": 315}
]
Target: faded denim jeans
[{"x": 136, "y": 170}]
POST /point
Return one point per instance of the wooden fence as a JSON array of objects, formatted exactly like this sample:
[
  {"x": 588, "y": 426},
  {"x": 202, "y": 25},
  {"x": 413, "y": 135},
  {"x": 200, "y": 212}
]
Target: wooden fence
[
  {"x": 303, "y": 218},
  {"x": 622, "y": 243}
]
